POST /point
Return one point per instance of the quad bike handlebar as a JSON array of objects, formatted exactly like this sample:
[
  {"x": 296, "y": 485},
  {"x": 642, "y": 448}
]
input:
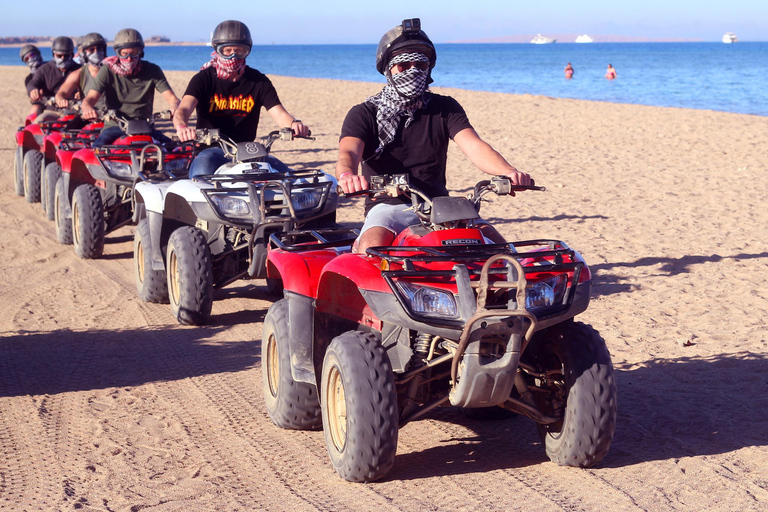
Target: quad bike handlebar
[
  {"x": 396, "y": 184},
  {"x": 243, "y": 151}
]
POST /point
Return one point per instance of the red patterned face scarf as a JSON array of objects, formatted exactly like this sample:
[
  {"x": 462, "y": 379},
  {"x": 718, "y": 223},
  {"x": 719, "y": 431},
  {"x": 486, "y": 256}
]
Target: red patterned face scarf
[
  {"x": 123, "y": 67},
  {"x": 226, "y": 69}
]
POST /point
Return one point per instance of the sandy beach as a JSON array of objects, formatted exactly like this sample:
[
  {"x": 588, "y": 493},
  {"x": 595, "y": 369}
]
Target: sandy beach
[{"x": 106, "y": 403}]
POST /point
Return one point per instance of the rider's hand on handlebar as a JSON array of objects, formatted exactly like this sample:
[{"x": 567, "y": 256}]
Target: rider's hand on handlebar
[
  {"x": 351, "y": 183},
  {"x": 300, "y": 129},
  {"x": 88, "y": 112},
  {"x": 186, "y": 133},
  {"x": 36, "y": 94},
  {"x": 519, "y": 178},
  {"x": 61, "y": 102}
]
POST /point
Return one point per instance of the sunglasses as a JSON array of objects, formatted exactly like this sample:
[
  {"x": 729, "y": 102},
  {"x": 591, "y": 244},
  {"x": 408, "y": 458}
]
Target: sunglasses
[
  {"x": 129, "y": 56},
  {"x": 403, "y": 66}
]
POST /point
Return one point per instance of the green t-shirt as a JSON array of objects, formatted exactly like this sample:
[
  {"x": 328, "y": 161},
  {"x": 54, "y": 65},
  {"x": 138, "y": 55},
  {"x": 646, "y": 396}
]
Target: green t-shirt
[{"x": 131, "y": 96}]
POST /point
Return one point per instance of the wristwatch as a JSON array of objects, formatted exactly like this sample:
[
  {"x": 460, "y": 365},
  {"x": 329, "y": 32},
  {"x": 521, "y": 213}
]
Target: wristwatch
[{"x": 296, "y": 121}]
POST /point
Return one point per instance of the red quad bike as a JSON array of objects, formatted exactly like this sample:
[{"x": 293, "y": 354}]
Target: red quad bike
[
  {"x": 30, "y": 146},
  {"x": 94, "y": 194},
  {"x": 58, "y": 148},
  {"x": 442, "y": 317}
]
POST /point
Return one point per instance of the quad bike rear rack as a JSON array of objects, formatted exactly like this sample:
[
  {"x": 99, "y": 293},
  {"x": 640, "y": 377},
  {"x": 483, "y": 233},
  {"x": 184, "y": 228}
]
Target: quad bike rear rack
[{"x": 324, "y": 238}]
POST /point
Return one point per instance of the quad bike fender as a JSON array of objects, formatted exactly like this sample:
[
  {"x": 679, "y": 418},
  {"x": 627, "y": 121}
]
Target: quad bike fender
[
  {"x": 300, "y": 272},
  {"x": 31, "y": 137},
  {"x": 64, "y": 159},
  {"x": 152, "y": 195},
  {"x": 50, "y": 143},
  {"x": 78, "y": 172}
]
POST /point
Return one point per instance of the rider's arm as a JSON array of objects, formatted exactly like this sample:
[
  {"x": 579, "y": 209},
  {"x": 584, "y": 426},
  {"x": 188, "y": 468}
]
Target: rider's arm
[
  {"x": 173, "y": 100},
  {"x": 181, "y": 118},
  {"x": 68, "y": 89},
  {"x": 350, "y": 155},
  {"x": 89, "y": 101},
  {"x": 486, "y": 158},
  {"x": 283, "y": 118}
]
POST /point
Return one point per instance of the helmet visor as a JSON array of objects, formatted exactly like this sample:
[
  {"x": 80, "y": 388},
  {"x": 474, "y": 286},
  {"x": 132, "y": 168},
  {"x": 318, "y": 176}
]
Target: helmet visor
[{"x": 233, "y": 51}]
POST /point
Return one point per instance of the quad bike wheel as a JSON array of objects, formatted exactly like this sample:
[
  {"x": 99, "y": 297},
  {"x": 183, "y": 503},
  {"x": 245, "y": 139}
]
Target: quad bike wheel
[
  {"x": 190, "y": 276},
  {"x": 32, "y": 162},
  {"x": 63, "y": 222},
  {"x": 151, "y": 285},
  {"x": 290, "y": 404},
  {"x": 48, "y": 189},
  {"x": 88, "y": 222},
  {"x": 18, "y": 170},
  {"x": 582, "y": 389},
  {"x": 359, "y": 406}
]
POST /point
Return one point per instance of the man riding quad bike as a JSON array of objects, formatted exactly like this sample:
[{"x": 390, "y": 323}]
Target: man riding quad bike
[
  {"x": 364, "y": 343},
  {"x": 94, "y": 194},
  {"x": 32, "y": 142},
  {"x": 197, "y": 235}
]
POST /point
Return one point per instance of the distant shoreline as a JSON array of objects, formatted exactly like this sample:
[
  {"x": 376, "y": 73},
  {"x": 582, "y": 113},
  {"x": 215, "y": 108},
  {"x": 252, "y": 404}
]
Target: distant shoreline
[{"x": 47, "y": 44}]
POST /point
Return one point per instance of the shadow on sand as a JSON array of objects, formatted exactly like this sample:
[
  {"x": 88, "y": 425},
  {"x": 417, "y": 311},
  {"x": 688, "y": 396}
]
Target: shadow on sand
[{"x": 668, "y": 409}]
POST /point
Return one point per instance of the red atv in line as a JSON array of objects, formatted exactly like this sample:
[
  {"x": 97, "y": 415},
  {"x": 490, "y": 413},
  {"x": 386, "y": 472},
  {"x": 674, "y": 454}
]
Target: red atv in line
[
  {"x": 364, "y": 343},
  {"x": 58, "y": 147},
  {"x": 30, "y": 147},
  {"x": 94, "y": 194}
]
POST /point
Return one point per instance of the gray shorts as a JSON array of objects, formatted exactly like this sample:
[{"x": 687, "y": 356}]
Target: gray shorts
[{"x": 392, "y": 217}]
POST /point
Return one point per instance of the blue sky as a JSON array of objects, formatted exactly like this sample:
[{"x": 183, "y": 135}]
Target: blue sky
[{"x": 355, "y": 21}]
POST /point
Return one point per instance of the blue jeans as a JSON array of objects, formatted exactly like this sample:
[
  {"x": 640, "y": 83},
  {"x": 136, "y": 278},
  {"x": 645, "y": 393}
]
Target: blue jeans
[
  {"x": 111, "y": 134},
  {"x": 210, "y": 159}
]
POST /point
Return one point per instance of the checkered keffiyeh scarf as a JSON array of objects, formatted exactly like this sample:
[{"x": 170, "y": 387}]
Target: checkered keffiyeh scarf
[
  {"x": 123, "y": 67},
  {"x": 225, "y": 69},
  {"x": 405, "y": 93}
]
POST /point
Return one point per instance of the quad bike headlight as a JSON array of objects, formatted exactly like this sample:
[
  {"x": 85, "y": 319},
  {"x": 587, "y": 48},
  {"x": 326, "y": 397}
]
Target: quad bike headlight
[
  {"x": 427, "y": 301},
  {"x": 545, "y": 293},
  {"x": 231, "y": 206},
  {"x": 306, "y": 199},
  {"x": 117, "y": 168}
]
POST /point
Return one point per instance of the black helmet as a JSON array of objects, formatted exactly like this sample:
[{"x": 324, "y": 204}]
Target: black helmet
[
  {"x": 63, "y": 44},
  {"x": 128, "y": 38},
  {"x": 231, "y": 32},
  {"x": 406, "y": 37},
  {"x": 26, "y": 50},
  {"x": 93, "y": 39}
]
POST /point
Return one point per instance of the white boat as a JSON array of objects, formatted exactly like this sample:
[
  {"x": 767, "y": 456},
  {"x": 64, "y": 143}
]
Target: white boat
[
  {"x": 730, "y": 37},
  {"x": 540, "y": 39},
  {"x": 584, "y": 39}
]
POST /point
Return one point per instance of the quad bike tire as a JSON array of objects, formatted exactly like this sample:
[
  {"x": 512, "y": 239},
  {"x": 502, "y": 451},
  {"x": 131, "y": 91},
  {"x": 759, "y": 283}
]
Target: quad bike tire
[
  {"x": 151, "y": 285},
  {"x": 359, "y": 407},
  {"x": 190, "y": 276},
  {"x": 33, "y": 160},
  {"x": 51, "y": 176},
  {"x": 18, "y": 171},
  {"x": 578, "y": 352},
  {"x": 88, "y": 222},
  {"x": 290, "y": 404},
  {"x": 63, "y": 223}
]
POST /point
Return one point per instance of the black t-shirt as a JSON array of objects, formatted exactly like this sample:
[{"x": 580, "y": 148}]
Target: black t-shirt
[
  {"x": 420, "y": 150},
  {"x": 49, "y": 78},
  {"x": 232, "y": 107}
]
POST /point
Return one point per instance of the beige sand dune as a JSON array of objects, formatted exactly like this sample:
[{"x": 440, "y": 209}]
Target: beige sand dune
[{"x": 107, "y": 404}]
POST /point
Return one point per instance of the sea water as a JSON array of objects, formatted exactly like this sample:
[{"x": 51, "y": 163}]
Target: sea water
[{"x": 715, "y": 76}]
